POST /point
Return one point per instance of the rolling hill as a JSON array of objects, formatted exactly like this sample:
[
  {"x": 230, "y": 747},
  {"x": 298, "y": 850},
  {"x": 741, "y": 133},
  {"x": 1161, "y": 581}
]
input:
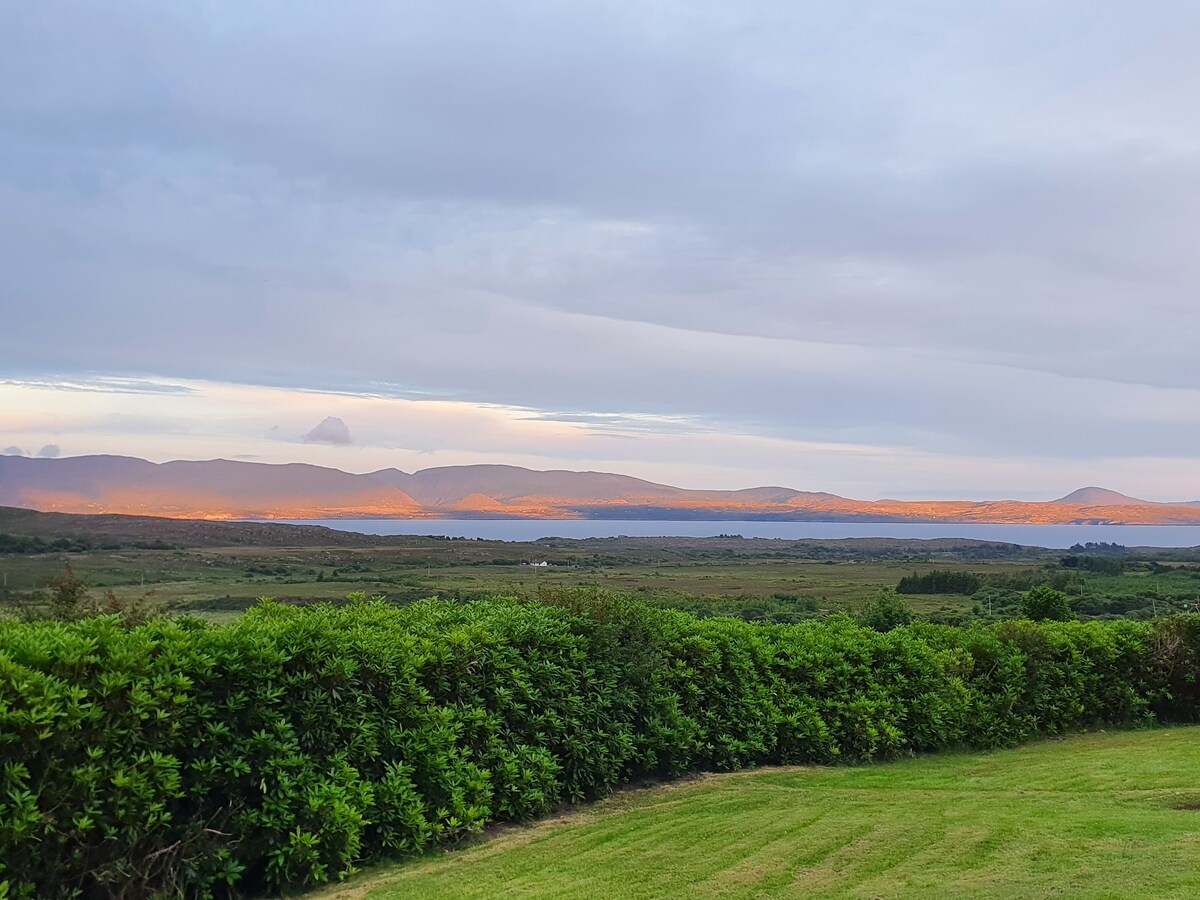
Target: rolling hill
[
  {"x": 224, "y": 490},
  {"x": 1098, "y": 496}
]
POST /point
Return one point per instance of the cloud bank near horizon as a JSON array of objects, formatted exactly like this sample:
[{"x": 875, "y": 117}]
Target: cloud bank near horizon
[
  {"x": 215, "y": 420},
  {"x": 958, "y": 240}
]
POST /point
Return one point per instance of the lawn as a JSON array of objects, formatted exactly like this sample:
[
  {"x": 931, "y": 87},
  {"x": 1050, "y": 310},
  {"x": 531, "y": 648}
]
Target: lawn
[{"x": 1098, "y": 815}]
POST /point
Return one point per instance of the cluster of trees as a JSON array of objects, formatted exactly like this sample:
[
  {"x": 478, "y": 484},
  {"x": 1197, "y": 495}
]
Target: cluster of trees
[
  {"x": 30, "y": 544},
  {"x": 1099, "y": 547},
  {"x": 264, "y": 569},
  {"x": 949, "y": 581},
  {"x": 23, "y": 544},
  {"x": 940, "y": 581},
  {"x": 1101, "y": 565}
]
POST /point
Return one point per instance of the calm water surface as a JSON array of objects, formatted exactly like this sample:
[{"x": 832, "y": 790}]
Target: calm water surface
[{"x": 1053, "y": 536}]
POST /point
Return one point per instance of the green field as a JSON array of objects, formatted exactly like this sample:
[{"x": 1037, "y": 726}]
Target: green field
[
  {"x": 218, "y": 583},
  {"x": 216, "y": 570},
  {"x": 214, "y": 582},
  {"x": 1098, "y": 815}
]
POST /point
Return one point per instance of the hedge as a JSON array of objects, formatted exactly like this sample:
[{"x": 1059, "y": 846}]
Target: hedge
[{"x": 181, "y": 759}]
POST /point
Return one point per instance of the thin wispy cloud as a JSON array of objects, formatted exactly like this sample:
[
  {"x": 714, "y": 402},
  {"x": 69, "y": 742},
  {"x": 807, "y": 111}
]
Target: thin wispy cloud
[{"x": 91, "y": 383}]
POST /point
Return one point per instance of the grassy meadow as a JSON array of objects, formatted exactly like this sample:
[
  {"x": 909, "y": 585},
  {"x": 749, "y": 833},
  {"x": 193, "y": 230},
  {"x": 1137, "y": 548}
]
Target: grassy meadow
[
  {"x": 221, "y": 582},
  {"x": 218, "y": 570},
  {"x": 1097, "y": 815},
  {"x": 218, "y": 583},
  {"x": 229, "y": 579}
]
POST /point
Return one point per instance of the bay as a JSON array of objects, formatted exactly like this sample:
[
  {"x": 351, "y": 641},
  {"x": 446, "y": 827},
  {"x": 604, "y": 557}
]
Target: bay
[{"x": 1049, "y": 536}]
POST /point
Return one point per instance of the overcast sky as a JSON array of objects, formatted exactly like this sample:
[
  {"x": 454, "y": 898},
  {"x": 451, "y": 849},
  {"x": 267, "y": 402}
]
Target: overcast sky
[{"x": 930, "y": 249}]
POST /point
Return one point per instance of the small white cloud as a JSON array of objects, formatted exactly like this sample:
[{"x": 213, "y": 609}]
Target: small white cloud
[
  {"x": 14, "y": 451},
  {"x": 50, "y": 451},
  {"x": 331, "y": 431}
]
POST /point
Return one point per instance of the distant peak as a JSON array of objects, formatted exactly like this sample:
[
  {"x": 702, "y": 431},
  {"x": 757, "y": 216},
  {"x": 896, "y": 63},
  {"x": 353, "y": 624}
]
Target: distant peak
[{"x": 1098, "y": 496}]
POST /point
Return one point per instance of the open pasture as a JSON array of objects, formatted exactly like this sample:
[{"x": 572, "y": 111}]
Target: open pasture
[
  {"x": 219, "y": 581},
  {"x": 1098, "y": 815}
]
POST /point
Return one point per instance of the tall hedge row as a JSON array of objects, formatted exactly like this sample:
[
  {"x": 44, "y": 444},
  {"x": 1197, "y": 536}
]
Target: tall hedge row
[{"x": 176, "y": 758}]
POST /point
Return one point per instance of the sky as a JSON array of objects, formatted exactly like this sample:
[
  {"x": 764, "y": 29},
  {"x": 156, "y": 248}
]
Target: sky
[{"x": 923, "y": 250}]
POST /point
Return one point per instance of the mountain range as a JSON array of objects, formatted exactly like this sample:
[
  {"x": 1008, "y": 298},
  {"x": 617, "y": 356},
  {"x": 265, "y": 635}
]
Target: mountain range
[{"x": 225, "y": 489}]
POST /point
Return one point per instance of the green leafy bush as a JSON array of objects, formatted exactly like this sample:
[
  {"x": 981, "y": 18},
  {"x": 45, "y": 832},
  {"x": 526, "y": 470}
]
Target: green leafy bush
[
  {"x": 175, "y": 758},
  {"x": 1043, "y": 603},
  {"x": 885, "y": 612}
]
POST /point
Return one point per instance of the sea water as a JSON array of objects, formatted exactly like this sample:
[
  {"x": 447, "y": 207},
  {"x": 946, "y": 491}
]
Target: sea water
[{"x": 1050, "y": 536}]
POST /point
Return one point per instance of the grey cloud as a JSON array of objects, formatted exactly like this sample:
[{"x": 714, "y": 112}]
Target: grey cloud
[
  {"x": 963, "y": 227},
  {"x": 50, "y": 451},
  {"x": 14, "y": 451},
  {"x": 331, "y": 430}
]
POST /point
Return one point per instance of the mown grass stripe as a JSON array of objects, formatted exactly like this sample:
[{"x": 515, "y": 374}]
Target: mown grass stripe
[{"x": 915, "y": 828}]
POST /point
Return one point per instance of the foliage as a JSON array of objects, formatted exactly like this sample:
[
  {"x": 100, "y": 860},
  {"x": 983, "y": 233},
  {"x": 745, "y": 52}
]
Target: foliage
[
  {"x": 1101, "y": 565},
  {"x": 1043, "y": 603},
  {"x": 18, "y": 543},
  {"x": 886, "y": 611},
  {"x": 940, "y": 581},
  {"x": 178, "y": 758},
  {"x": 1100, "y": 547},
  {"x": 780, "y": 608},
  {"x": 68, "y": 599},
  {"x": 67, "y": 595}
]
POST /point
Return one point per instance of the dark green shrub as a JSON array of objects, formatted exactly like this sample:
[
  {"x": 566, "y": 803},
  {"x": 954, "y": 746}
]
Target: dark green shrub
[
  {"x": 940, "y": 581},
  {"x": 1170, "y": 673},
  {"x": 179, "y": 759},
  {"x": 885, "y": 612},
  {"x": 1043, "y": 603}
]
